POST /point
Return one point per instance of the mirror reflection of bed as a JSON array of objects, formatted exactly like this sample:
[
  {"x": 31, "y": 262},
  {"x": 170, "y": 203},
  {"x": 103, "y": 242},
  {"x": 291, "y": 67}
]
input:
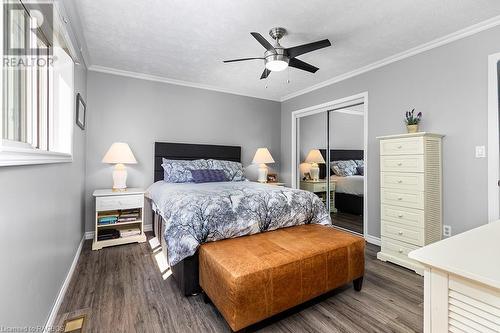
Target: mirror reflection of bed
[
  {"x": 346, "y": 202},
  {"x": 348, "y": 189}
]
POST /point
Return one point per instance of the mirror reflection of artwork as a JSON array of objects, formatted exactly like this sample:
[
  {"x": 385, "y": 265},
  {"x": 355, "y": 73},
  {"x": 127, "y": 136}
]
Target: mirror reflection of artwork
[{"x": 81, "y": 110}]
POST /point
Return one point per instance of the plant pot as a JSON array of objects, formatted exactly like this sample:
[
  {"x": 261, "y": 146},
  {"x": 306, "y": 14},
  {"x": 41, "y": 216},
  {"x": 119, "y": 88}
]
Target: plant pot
[{"x": 412, "y": 128}]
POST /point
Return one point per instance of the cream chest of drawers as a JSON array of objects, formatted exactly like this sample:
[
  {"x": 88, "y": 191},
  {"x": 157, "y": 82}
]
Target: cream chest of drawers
[{"x": 410, "y": 195}]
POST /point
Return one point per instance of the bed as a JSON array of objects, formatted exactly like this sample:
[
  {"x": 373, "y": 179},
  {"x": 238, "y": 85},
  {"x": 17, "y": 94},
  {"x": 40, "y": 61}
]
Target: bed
[
  {"x": 187, "y": 215},
  {"x": 349, "y": 190}
]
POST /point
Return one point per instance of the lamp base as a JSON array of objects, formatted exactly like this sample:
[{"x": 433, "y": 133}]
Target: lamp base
[
  {"x": 119, "y": 177},
  {"x": 262, "y": 173},
  {"x": 314, "y": 171}
]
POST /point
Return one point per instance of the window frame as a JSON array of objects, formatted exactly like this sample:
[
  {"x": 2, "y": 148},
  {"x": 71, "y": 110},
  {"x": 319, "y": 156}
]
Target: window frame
[{"x": 14, "y": 153}]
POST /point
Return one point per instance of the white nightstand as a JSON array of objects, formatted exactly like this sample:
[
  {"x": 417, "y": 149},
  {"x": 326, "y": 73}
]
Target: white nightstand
[
  {"x": 107, "y": 201},
  {"x": 276, "y": 184},
  {"x": 319, "y": 187}
]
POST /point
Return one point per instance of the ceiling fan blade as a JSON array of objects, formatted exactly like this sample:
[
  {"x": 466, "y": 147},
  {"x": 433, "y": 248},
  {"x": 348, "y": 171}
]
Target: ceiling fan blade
[
  {"x": 263, "y": 41},
  {"x": 242, "y": 59},
  {"x": 265, "y": 73},
  {"x": 305, "y": 48},
  {"x": 294, "y": 62}
]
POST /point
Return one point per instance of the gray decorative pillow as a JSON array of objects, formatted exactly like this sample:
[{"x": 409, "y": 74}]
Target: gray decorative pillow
[
  {"x": 344, "y": 168},
  {"x": 233, "y": 170},
  {"x": 360, "y": 163},
  {"x": 179, "y": 171}
]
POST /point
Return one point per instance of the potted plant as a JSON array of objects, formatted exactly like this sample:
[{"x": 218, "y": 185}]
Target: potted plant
[{"x": 412, "y": 121}]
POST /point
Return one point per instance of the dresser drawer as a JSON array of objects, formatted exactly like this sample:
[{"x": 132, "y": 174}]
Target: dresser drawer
[
  {"x": 119, "y": 202},
  {"x": 403, "y": 181},
  {"x": 402, "y": 215},
  {"x": 403, "y": 146},
  {"x": 397, "y": 248},
  {"x": 411, "y": 199},
  {"x": 403, "y": 233},
  {"x": 402, "y": 163}
]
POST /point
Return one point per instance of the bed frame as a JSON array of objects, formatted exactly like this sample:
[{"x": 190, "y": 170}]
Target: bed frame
[
  {"x": 347, "y": 203},
  {"x": 186, "y": 271}
]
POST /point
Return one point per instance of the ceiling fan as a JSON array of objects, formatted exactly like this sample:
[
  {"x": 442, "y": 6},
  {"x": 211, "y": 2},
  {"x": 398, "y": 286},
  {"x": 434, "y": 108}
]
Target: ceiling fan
[{"x": 277, "y": 58}]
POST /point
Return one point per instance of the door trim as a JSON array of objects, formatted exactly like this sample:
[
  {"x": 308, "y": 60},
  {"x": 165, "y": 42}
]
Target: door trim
[
  {"x": 323, "y": 108},
  {"x": 493, "y": 139}
]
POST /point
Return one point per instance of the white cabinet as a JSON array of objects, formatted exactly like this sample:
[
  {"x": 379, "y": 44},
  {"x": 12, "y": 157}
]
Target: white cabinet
[
  {"x": 462, "y": 282},
  {"x": 410, "y": 195},
  {"x": 109, "y": 201}
]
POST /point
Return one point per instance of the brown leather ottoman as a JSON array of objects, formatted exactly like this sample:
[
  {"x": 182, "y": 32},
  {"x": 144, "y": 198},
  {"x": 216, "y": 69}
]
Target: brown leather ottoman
[{"x": 255, "y": 277}]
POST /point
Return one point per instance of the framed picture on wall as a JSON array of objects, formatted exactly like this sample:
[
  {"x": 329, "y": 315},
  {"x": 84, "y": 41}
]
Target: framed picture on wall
[{"x": 81, "y": 111}]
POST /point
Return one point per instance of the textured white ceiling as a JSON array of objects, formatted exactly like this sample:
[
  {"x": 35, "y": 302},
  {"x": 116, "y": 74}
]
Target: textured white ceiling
[{"x": 187, "y": 39}]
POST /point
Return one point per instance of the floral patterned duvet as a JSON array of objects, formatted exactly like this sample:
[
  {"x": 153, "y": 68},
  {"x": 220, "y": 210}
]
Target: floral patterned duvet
[{"x": 197, "y": 213}]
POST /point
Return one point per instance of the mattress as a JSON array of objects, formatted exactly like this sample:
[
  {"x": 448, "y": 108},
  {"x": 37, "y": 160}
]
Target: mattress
[
  {"x": 194, "y": 214},
  {"x": 349, "y": 185}
]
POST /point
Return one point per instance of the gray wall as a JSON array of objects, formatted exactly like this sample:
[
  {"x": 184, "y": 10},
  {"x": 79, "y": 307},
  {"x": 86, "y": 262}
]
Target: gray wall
[
  {"x": 42, "y": 224},
  {"x": 449, "y": 85},
  {"x": 141, "y": 112}
]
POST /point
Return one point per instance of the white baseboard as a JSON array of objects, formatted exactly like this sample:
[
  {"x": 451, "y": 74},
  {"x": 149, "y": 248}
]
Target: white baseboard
[
  {"x": 90, "y": 234},
  {"x": 373, "y": 240},
  {"x": 55, "y": 308}
]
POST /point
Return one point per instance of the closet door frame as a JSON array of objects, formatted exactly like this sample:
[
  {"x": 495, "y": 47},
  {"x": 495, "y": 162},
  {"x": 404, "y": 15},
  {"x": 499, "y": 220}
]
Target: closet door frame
[{"x": 326, "y": 107}]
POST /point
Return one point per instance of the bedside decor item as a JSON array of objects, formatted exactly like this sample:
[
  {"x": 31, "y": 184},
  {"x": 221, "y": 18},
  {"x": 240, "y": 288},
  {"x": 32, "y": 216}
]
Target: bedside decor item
[
  {"x": 81, "y": 111},
  {"x": 119, "y": 154},
  {"x": 412, "y": 121},
  {"x": 314, "y": 157},
  {"x": 262, "y": 157},
  {"x": 272, "y": 178}
]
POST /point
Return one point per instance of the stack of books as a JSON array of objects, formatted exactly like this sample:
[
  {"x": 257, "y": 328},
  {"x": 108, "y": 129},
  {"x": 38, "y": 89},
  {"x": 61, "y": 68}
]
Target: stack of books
[
  {"x": 130, "y": 232},
  {"x": 109, "y": 217},
  {"x": 128, "y": 215},
  {"x": 106, "y": 234}
]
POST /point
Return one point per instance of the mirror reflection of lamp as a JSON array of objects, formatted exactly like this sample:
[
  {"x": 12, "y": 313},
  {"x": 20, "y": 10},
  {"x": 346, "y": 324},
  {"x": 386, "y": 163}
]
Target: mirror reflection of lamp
[
  {"x": 262, "y": 156},
  {"x": 314, "y": 157}
]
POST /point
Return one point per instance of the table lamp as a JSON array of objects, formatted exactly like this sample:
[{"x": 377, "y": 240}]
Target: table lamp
[
  {"x": 119, "y": 154},
  {"x": 262, "y": 156},
  {"x": 314, "y": 157}
]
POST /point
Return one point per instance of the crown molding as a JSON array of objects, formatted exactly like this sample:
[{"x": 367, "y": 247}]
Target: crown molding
[
  {"x": 149, "y": 77},
  {"x": 466, "y": 32}
]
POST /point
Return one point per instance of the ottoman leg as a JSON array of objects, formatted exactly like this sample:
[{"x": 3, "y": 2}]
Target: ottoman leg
[
  {"x": 358, "y": 284},
  {"x": 206, "y": 299}
]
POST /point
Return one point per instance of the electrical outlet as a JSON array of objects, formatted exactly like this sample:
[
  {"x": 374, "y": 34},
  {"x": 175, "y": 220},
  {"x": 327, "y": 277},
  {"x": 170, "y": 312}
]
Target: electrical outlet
[
  {"x": 480, "y": 151},
  {"x": 447, "y": 230}
]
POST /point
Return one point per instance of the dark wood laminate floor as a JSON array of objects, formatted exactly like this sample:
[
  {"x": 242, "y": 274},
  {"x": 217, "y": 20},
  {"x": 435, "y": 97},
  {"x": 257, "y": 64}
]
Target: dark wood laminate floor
[
  {"x": 120, "y": 289},
  {"x": 348, "y": 221}
]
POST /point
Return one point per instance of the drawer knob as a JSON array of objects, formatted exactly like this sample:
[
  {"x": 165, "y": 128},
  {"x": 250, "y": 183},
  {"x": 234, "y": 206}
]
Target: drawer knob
[
  {"x": 400, "y": 251},
  {"x": 400, "y": 198},
  {"x": 400, "y": 233},
  {"x": 399, "y": 181},
  {"x": 399, "y": 147},
  {"x": 400, "y": 215},
  {"x": 400, "y": 163}
]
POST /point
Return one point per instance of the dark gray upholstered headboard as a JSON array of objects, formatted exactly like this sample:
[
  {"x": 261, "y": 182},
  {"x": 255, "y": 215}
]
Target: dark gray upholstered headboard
[
  {"x": 339, "y": 155},
  {"x": 187, "y": 151}
]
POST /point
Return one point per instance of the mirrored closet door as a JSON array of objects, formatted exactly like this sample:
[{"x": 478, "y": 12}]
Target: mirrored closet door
[{"x": 330, "y": 155}]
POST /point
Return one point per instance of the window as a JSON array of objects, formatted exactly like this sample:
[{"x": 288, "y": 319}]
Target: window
[{"x": 36, "y": 123}]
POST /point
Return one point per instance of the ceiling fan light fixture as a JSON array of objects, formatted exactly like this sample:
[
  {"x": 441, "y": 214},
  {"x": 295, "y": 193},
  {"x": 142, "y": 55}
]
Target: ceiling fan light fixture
[{"x": 277, "y": 65}]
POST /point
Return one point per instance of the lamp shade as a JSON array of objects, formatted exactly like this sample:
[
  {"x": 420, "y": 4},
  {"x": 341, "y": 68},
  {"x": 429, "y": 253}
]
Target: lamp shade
[
  {"x": 314, "y": 156},
  {"x": 119, "y": 152},
  {"x": 262, "y": 156}
]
